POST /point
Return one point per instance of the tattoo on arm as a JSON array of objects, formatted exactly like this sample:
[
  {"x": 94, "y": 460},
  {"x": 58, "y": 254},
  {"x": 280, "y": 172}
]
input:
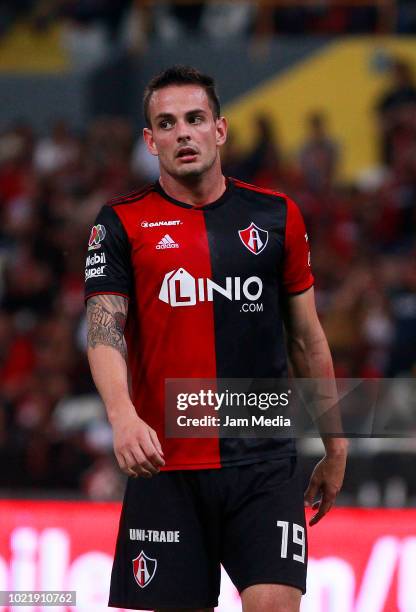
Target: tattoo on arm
[{"x": 106, "y": 319}]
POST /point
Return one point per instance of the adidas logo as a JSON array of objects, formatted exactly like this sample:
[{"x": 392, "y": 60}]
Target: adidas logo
[{"x": 167, "y": 243}]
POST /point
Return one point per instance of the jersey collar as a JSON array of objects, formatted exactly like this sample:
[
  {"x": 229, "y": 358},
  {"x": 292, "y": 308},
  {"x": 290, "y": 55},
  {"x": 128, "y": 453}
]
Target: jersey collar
[{"x": 221, "y": 200}]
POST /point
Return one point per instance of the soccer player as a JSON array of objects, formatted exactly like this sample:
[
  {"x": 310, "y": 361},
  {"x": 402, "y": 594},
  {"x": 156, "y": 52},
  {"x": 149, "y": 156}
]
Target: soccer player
[{"x": 172, "y": 274}]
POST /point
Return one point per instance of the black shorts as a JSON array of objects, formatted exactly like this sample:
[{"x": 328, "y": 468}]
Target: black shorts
[{"x": 177, "y": 527}]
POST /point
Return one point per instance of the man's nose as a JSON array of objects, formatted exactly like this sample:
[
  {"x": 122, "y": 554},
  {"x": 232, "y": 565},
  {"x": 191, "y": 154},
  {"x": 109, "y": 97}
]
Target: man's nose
[{"x": 183, "y": 131}]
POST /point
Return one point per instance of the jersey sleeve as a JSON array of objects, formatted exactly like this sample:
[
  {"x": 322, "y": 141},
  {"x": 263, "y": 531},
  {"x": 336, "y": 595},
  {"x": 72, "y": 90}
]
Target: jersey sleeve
[
  {"x": 297, "y": 273},
  {"x": 108, "y": 262}
]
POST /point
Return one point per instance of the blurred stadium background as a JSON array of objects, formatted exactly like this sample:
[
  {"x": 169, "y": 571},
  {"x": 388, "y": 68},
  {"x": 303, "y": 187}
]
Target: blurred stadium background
[{"x": 321, "y": 99}]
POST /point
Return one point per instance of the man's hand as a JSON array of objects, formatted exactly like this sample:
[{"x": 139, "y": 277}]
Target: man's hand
[
  {"x": 327, "y": 478},
  {"x": 136, "y": 446}
]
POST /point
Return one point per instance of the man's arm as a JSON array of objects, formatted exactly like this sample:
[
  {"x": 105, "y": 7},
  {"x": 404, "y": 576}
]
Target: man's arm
[
  {"x": 310, "y": 357},
  {"x": 136, "y": 445}
]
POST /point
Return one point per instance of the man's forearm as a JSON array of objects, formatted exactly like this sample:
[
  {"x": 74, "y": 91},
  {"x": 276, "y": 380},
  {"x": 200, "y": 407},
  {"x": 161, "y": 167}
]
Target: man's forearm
[
  {"x": 109, "y": 372},
  {"x": 136, "y": 445},
  {"x": 106, "y": 316},
  {"x": 311, "y": 358}
]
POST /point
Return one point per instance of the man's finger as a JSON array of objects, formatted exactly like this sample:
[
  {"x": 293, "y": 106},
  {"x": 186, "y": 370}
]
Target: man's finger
[
  {"x": 135, "y": 468},
  {"x": 149, "y": 467},
  {"x": 125, "y": 461},
  {"x": 140, "y": 461},
  {"x": 151, "y": 453},
  {"x": 130, "y": 459},
  {"x": 142, "y": 473},
  {"x": 324, "y": 505},
  {"x": 323, "y": 509},
  {"x": 311, "y": 492},
  {"x": 156, "y": 443},
  {"x": 120, "y": 460}
]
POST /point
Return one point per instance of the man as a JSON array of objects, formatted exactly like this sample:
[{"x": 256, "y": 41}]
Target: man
[{"x": 153, "y": 260}]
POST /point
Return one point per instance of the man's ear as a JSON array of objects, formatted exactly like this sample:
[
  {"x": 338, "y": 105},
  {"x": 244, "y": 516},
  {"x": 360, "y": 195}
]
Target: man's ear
[
  {"x": 150, "y": 143},
  {"x": 222, "y": 128}
]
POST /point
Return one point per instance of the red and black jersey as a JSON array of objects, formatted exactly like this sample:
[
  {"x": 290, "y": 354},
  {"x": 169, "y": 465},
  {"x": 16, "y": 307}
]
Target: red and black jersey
[{"x": 205, "y": 287}]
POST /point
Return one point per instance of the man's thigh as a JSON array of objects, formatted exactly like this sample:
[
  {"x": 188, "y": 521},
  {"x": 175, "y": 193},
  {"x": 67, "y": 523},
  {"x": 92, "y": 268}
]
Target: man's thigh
[
  {"x": 264, "y": 531},
  {"x": 167, "y": 553},
  {"x": 271, "y": 598}
]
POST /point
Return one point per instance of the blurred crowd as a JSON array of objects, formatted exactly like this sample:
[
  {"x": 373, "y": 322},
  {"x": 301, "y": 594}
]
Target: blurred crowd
[
  {"x": 363, "y": 234},
  {"x": 169, "y": 19},
  {"x": 53, "y": 431}
]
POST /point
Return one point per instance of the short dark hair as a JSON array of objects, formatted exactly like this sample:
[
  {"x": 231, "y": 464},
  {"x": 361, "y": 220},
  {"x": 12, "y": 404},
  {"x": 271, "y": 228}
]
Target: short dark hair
[{"x": 182, "y": 75}]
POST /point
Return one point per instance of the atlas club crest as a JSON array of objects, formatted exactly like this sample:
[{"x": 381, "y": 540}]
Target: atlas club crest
[
  {"x": 254, "y": 238},
  {"x": 144, "y": 569}
]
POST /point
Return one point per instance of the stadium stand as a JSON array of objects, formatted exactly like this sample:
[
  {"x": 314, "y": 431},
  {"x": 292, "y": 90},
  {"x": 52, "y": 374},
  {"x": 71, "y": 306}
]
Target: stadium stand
[{"x": 53, "y": 432}]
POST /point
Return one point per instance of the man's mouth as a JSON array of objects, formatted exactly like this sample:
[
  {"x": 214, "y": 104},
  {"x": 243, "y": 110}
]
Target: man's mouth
[{"x": 187, "y": 153}]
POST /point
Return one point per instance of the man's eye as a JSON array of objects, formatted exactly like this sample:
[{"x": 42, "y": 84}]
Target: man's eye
[
  {"x": 165, "y": 124},
  {"x": 195, "y": 119}
]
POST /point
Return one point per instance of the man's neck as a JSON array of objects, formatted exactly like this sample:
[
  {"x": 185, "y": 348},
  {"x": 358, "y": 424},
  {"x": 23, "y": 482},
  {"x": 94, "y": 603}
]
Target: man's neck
[{"x": 197, "y": 191}]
